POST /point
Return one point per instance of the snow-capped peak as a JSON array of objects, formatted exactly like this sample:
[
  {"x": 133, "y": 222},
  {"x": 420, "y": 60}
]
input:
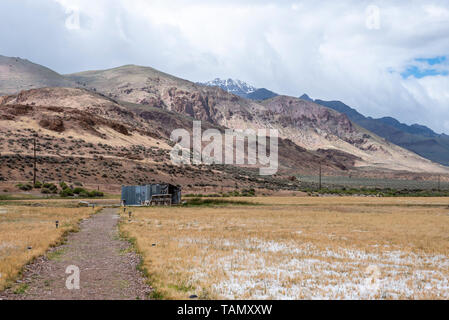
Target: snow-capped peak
[{"x": 237, "y": 87}]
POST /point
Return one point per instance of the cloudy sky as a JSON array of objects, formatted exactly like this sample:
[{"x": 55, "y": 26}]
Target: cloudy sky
[{"x": 386, "y": 58}]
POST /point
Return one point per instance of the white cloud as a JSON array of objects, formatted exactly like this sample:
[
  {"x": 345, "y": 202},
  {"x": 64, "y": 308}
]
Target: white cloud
[{"x": 324, "y": 49}]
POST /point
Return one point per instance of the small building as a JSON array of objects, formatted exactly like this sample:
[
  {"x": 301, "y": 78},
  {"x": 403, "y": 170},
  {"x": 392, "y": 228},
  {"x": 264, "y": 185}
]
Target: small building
[{"x": 151, "y": 194}]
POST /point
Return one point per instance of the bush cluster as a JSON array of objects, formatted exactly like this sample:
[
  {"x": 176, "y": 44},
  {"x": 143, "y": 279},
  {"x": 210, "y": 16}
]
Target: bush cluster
[
  {"x": 379, "y": 192},
  {"x": 235, "y": 193},
  {"x": 25, "y": 187},
  {"x": 78, "y": 191},
  {"x": 49, "y": 188},
  {"x": 64, "y": 191}
]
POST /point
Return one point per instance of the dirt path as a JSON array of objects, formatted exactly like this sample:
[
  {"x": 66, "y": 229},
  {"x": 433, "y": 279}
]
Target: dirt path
[{"x": 107, "y": 266}]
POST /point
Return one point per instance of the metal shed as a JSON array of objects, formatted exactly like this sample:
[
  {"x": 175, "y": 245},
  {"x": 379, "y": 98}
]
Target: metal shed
[{"x": 151, "y": 194}]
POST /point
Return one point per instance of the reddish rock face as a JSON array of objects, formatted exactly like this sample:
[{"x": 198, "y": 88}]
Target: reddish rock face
[
  {"x": 193, "y": 104},
  {"x": 153, "y": 102},
  {"x": 296, "y": 112},
  {"x": 119, "y": 128},
  {"x": 17, "y": 109},
  {"x": 53, "y": 123}
]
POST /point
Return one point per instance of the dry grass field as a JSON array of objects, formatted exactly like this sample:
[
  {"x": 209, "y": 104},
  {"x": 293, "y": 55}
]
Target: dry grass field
[
  {"x": 297, "y": 248},
  {"x": 28, "y": 232}
]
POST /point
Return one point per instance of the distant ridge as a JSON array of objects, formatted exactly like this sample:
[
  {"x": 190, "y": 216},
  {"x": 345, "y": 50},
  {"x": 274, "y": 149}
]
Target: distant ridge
[
  {"x": 261, "y": 94},
  {"x": 417, "y": 138},
  {"x": 18, "y": 74},
  {"x": 305, "y": 97}
]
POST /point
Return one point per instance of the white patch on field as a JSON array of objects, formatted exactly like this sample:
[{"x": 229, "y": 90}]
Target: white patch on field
[
  {"x": 258, "y": 269},
  {"x": 6, "y": 246},
  {"x": 3, "y": 210}
]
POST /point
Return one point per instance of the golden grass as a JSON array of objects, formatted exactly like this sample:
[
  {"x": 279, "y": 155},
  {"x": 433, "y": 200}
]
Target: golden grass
[
  {"x": 23, "y": 227},
  {"x": 63, "y": 203},
  {"x": 298, "y": 248}
]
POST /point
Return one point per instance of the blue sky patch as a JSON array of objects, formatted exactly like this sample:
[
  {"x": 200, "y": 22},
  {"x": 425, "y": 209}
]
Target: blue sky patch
[
  {"x": 425, "y": 69},
  {"x": 432, "y": 61},
  {"x": 421, "y": 73}
]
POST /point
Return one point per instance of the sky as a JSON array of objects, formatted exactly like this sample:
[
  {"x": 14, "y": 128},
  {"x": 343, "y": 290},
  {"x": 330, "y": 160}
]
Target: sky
[{"x": 385, "y": 58}]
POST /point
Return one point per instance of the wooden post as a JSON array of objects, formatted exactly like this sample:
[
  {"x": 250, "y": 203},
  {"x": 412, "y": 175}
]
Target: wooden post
[
  {"x": 35, "y": 164},
  {"x": 320, "y": 175}
]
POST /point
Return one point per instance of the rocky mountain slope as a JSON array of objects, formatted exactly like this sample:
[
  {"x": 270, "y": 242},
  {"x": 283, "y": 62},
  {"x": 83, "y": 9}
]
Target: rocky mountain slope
[
  {"x": 87, "y": 137},
  {"x": 17, "y": 74},
  {"x": 307, "y": 124},
  {"x": 126, "y": 114},
  {"x": 417, "y": 138}
]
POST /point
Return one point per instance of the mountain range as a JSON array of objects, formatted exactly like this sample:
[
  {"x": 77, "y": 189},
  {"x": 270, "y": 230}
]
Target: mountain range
[
  {"x": 113, "y": 126},
  {"x": 416, "y": 138}
]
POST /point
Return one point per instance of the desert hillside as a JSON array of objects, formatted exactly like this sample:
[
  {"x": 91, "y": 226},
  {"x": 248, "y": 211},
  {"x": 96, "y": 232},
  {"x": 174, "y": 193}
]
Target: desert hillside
[
  {"x": 113, "y": 127},
  {"x": 307, "y": 124},
  {"x": 83, "y": 136},
  {"x": 18, "y": 74}
]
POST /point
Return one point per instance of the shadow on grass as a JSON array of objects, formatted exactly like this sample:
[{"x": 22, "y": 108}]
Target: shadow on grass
[
  {"x": 7, "y": 197},
  {"x": 201, "y": 202}
]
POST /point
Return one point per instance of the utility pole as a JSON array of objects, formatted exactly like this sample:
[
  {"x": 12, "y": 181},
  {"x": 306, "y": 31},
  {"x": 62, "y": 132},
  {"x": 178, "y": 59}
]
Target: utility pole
[
  {"x": 439, "y": 182},
  {"x": 320, "y": 175},
  {"x": 35, "y": 164}
]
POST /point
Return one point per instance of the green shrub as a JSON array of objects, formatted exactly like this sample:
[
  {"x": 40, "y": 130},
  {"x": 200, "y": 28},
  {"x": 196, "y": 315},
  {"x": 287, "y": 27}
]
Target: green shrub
[
  {"x": 25, "y": 187},
  {"x": 95, "y": 194},
  {"x": 67, "y": 192},
  {"x": 248, "y": 193},
  {"x": 63, "y": 185},
  {"x": 38, "y": 185},
  {"x": 84, "y": 194},
  {"x": 79, "y": 190},
  {"x": 50, "y": 186},
  {"x": 46, "y": 191}
]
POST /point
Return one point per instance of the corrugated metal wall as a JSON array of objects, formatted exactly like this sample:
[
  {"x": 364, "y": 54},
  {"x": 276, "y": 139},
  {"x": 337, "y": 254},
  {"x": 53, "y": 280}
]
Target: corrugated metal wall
[
  {"x": 129, "y": 195},
  {"x": 137, "y": 195}
]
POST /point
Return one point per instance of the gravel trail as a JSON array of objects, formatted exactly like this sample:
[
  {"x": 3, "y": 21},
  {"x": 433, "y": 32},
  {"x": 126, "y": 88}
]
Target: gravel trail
[{"x": 106, "y": 263}]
